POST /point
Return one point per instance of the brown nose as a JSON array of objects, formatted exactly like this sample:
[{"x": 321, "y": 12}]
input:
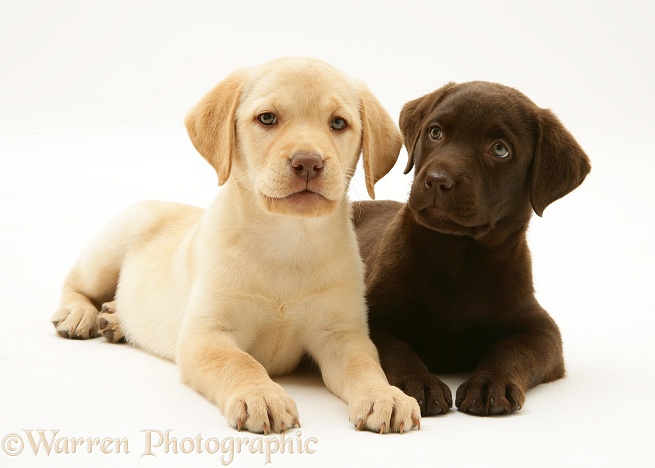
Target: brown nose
[
  {"x": 438, "y": 183},
  {"x": 307, "y": 166}
]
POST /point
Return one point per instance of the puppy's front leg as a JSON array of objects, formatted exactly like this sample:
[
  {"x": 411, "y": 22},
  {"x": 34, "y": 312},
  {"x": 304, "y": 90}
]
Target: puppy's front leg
[
  {"x": 511, "y": 366},
  {"x": 213, "y": 365},
  {"x": 405, "y": 369},
  {"x": 351, "y": 370}
]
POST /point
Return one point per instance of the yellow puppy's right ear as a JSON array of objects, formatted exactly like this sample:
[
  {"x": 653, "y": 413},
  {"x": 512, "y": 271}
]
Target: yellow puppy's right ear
[{"x": 211, "y": 124}]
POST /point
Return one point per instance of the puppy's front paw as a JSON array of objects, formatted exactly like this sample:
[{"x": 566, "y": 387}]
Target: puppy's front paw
[
  {"x": 384, "y": 409},
  {"x": 266, "y": 408},
  {"x": 485, "y": 394},
  {"x": 433, "y": 396},
  {"x": 76, "y": 320}
]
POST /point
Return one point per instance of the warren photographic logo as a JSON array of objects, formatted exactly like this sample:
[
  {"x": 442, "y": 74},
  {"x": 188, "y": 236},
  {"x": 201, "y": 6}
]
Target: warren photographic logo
[{"x": 157, "y": 443}]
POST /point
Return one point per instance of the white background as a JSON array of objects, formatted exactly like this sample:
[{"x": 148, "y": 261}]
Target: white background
[{"x": 92, "y": 99}]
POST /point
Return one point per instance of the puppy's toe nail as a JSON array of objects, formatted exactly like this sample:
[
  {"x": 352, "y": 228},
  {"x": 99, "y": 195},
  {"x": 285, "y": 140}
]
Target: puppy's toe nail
[
  {"x": 359, "y": 425},
  {"x": 64, "y": 333},
  {"x": 401, "y": 427},
  {"x": 384, "y": 428},
  {"x": 417, "y": 423},
  {"x": 296, "y": 423},
  {"x": 496, "y": 410},
  {"x": 266, "y": 429}
]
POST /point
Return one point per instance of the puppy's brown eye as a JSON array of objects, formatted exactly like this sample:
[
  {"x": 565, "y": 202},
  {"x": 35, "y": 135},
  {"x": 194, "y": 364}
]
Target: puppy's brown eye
[
  {"x": 338, "y": 123},
  {"x": 267, "y": 118},
  {"x": 499, "y": 150},
  {"x": 436, "y": 133}
]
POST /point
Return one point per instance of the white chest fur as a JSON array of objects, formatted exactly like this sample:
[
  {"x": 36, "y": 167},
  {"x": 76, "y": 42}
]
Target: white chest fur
[{"x": 278, "y": 282}]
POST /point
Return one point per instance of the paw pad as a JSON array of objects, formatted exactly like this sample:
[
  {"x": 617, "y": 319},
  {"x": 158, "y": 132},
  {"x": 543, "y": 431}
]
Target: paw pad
[{"x": 108, "y": 325}]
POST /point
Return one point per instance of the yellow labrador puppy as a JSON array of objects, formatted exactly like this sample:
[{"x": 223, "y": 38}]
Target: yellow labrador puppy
[{"x": 271, "y": 269}]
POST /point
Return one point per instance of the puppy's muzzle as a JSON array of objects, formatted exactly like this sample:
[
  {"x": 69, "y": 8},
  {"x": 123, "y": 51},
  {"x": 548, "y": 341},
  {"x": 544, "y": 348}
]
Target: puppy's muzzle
[
  {"x": 307, "y": 166},
  {"x": 438, "y": 184}
]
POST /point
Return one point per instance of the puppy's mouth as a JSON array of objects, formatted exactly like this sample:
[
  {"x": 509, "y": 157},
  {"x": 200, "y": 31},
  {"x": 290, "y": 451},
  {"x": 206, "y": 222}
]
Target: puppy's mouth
[
  {"x": 437, "y": 220},
  {"x": 304, "y": 203},
  {"x": 301, "y": 196}
]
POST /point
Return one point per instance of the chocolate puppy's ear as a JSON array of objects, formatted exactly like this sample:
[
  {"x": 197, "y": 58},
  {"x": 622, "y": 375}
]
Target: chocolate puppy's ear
[
  {"x": 559, "y": 164},
  {"x": 412, "y": 115}
]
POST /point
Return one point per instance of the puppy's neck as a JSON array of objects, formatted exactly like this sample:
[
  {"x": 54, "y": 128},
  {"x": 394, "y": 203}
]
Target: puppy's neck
[
  {"x": 245, "y": 223},
  {"x": 504, "y": 244}
]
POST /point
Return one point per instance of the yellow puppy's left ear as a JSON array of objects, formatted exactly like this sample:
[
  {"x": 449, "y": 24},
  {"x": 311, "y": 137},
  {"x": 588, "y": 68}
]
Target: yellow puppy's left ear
[
  {"x": 211, "y": 124},
  {"x": 381, "y": 139}
]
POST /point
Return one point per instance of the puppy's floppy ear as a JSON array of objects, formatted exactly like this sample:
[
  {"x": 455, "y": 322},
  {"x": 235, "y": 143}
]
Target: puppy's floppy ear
[
  {"x": 412, "y": 115},
  {"x": 211, "y": 124},
  {"x": 381, "y": 140},
  {"x": 559, "y": 164}
]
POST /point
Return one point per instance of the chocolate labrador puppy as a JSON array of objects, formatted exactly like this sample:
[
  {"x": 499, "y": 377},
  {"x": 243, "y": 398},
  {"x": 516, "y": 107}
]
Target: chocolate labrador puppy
[{"x": 449, "y": 274}]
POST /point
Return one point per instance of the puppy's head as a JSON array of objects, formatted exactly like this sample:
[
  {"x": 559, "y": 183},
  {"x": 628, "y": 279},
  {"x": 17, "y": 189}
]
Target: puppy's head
[
  {"x": 290, "y": 132},
  {"x": 485, "y": 157}
]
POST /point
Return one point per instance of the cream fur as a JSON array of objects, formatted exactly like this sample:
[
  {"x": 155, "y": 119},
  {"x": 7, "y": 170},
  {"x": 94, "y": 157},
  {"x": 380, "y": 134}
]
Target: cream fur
[{"x": 241, "y": 290}]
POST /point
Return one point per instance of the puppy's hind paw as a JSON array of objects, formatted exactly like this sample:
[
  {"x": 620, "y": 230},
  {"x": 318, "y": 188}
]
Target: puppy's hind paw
[
  {"x": 76, "y": 321},
  {"x": 108, "y": 325}
]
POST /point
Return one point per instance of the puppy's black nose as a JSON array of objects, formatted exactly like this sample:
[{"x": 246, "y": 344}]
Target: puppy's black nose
[
  {"x": 307, "y": 166},
  {"x": 438, "y": 182}
]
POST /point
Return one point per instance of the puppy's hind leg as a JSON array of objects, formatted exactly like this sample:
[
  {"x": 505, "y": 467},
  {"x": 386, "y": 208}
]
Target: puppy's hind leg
[
  {"x": 91, "y": 282},
  {"x": 76, "y": 316},
  {"x": 94, "y": 278}
]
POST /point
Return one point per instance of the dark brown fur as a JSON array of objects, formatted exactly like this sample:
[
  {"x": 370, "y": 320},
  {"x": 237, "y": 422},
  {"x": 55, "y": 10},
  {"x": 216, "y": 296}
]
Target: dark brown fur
[{"x": 449, "y": 274}]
